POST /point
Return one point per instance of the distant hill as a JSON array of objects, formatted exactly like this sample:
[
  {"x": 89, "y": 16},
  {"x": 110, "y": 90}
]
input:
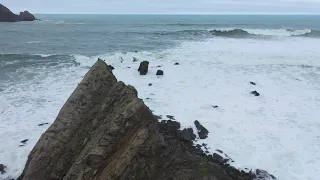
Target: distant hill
[{"x": 7, "y": 16}]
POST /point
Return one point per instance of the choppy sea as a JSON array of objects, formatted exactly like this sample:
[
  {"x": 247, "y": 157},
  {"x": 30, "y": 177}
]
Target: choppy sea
[{"x": 42, "y": 62}]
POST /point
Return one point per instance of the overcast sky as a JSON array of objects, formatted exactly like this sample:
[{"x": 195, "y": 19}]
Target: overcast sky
[{"x": 163, "y": 6}]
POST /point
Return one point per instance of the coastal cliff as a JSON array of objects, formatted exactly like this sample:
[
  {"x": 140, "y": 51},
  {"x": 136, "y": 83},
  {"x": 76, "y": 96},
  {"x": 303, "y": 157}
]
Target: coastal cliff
[
  {"x": 105, "y": 132},
  {"x": 7, "y": 16}
]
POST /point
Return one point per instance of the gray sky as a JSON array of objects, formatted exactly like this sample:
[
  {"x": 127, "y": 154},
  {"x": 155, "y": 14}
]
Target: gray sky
[{"x": 164, "y": 6}]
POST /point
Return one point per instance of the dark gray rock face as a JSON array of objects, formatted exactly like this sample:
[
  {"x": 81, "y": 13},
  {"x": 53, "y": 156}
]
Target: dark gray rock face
[
  {"x": 105, "y": 132},
  {"x": 202, "y": 131},
  {"x": 111, "y": 67},
  {"x": 159, "y": 73},
  {"x": 187, "y": 134},
  {"x": 2, "y": 169},
  {"x": 255, "y": 93},
  {"x": 7, "y": 16},
  {"x": 143, "y": 68},
  {"x": 26, "y": 16}
]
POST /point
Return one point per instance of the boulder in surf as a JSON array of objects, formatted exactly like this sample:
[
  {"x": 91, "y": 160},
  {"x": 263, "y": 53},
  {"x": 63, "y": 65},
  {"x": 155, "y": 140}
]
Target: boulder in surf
[{"x": 143, "y": 67}]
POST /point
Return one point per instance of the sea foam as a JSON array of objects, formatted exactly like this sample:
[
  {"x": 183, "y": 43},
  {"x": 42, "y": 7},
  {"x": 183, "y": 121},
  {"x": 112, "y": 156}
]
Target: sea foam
[{"x": 276, "y": 131}]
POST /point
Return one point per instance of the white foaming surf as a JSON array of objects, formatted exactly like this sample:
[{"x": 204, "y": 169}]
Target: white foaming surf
[
  {"x": 34, "y": 42},
  {"x": 277, "y": 131},
  {"x": 278, "y": 32},
  {"x": 264, "y": 32}
]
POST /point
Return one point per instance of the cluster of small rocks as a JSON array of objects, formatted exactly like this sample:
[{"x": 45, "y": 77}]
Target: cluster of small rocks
[
  {"x": 255, "y": 93},
  {"x": 171, "y": 130},
  {"x": 144, "y": 67}
]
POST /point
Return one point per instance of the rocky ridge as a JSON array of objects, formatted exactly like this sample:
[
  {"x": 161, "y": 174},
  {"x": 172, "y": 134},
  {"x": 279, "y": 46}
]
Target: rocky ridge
[
  {"x": 104, "y": 131},
  {"x": 7, "y": 16}
]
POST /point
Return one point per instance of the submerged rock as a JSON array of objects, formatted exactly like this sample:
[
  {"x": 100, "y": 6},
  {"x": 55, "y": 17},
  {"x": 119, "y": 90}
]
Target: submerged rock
[
  {"x": 143, "y": 68},
  {"x": 159, "y": 73},
  {"x": 24, "y": 141},
  {"x": 170, "y": 117},
  {"x": 135, "y": 59},
  {"x": 2, "y": 169},
  {"x": 220, "y": 151},
  {"x": 255, "y": 93},
  {"x": 7, "y": 16},
  {"x": 202, "y": 131},
  {"x": 42, "y": 124},
  {"x": 105, "y": 132}
]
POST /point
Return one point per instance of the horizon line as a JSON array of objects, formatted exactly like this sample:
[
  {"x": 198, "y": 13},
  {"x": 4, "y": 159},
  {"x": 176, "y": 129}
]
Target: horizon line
[{"x": 226, "y": 13}]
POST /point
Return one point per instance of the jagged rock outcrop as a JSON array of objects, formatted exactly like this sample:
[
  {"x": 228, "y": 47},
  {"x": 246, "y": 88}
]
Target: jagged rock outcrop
[
  {"x": 7, "y": 16},
  {"x": 26, "y": 16},
  {"x": 105, "y": 132}
]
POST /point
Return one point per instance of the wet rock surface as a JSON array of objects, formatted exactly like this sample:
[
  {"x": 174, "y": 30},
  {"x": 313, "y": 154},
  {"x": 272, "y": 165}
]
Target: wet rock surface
[
  {"x": 202, "y": 131},
  {"x": 42, "y": 124},
  {"x": 24, "y": 141},
  {"x": 170, "y": 117},
  {"x": 135, "y": 59},
  {"x": 255, "y": 93},
  {"x": 159, "y": 73},
  {"x": 105, "y": 132},
  {"x": 111, "y": 67},
  {"x": 143, "y": 68},
  {"x": 2, "y": 169}
]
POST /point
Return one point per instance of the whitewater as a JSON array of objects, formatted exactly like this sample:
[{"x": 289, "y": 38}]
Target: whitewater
[{"x": 277, "y": 131}]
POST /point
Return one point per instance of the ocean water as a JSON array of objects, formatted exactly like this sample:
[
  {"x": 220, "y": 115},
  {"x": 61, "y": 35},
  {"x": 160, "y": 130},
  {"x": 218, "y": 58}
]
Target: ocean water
[{"x": 42, "y": 62}]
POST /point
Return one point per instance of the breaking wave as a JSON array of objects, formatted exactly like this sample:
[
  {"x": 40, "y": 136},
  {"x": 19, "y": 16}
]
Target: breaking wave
[
  {"x": 230, "y": 33},
  {"x": 265, "y": 32},
  {"x": 28, "y": 60},
  {"x": 247, "y": 33},
  {"x": 312, "y": 33}
]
